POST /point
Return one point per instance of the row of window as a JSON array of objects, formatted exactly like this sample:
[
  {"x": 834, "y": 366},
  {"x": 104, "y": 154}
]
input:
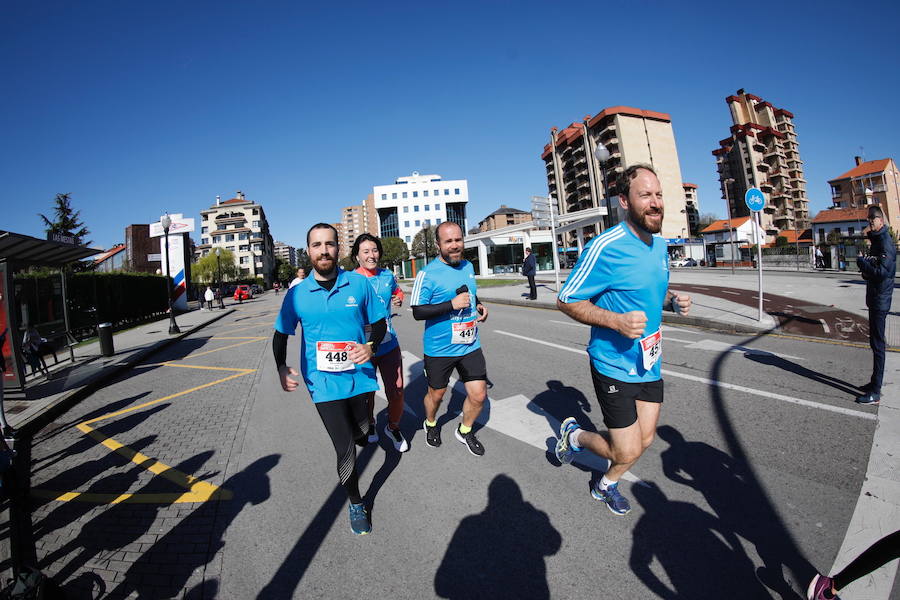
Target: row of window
[
  {"x": 419, "y": 223},
  {"x": 232, "y": 226},
  {"x": 424, "y": 194},
  {"x": 242, "y": 248},
  {"x": 425, "y": 208}
]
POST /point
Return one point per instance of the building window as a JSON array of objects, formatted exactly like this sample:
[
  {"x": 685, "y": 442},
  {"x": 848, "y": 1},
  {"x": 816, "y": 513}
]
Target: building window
[
  {"x": 456, "y": 212},
  {"x": 446, "y": 191},
  {"x": 217, "y": 238},
  {"x": 389, "y": 222},
  {"x": 437, "y": 221},
  {"x": 394, "y": 196},
  {"x": 404, "y": 194},
  {"x": 427, "y": 207},
  {"x": 427, "y": 222},
  {"x": 407, "y": 239},
  {"x": 229, "y": 237},
  {"x": 243, "y": 236},
  {"x": 204, "y": 240},
  {"x": 415, "y": 194},
  {"x": 456, "y": 191},
  {"x": 418, "y": 223},
  {"x": 257, "y": 247},
  {"x": 416, "y": 208},
  {"x": 406, "y": 223},
  {"x": 245, "y": 260},
  {"x": 384, "y": 196},
  {"x": 850, "y": 231},
  {"x": 425, "y": 193},
  {"x": 244, "y": 248},
  {"x": 405, "y": 209},
  {"x": 204, "y": 230},
  {"x": 437, "y": 207},
  {"x": 256, "y": 223}
]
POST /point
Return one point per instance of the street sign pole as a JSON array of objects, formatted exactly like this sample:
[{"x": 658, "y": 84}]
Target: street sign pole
[
  {"x": 756, "y": 201},
  {"x": 540, "y": 206}
]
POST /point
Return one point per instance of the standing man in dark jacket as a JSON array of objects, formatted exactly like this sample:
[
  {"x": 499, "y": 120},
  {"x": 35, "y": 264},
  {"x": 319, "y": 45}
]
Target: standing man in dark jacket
[
  {"x": 529, "y": 269},
  {"x": 878, "y": 269}
]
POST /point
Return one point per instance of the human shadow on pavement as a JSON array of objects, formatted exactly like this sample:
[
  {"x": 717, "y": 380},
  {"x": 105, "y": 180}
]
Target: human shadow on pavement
[
  {"x": 678, "y": 537},
  {"x": 115, "y": 525},
  {"x": 558, "y": 402},
  {"x": 773, "y": 360},
  {"x": 500, "y": 552},
  {"x": 756, "y": 516},
  {"x": 203, "y": 530}
]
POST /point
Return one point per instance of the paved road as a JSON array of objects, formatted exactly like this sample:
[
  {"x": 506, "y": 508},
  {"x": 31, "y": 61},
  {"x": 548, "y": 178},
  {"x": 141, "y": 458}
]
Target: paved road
[{"x": 197, "y": 476}]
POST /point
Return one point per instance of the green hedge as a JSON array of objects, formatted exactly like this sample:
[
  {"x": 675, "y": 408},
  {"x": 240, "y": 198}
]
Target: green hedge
[{"x": 120, "y": 298}]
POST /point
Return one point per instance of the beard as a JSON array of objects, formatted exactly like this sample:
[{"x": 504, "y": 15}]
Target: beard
[
  {"x": 640, "y": 219},
  {"x": 322, "y": 270},
  {"x": 453, "y": 262}
]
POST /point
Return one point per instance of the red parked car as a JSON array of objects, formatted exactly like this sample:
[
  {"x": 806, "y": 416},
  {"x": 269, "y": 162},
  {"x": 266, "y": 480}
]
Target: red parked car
[{"x": 243, "y": 292}]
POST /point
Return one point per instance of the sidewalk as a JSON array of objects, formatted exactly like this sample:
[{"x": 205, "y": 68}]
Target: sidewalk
[{"x": 68, "y": 383}]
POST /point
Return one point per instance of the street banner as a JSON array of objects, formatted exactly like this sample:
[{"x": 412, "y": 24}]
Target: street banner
[
  {"x": 176, "y": 268},
  {"x": 179, "y": 225}
]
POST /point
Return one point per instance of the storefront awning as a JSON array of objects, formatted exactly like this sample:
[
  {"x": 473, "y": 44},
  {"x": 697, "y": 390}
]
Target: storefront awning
[{"x": 16, "y": 247}]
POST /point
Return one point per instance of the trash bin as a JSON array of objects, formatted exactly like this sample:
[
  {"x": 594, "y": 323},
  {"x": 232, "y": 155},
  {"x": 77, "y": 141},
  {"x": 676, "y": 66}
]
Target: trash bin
[{"x": 104, "y": 332}]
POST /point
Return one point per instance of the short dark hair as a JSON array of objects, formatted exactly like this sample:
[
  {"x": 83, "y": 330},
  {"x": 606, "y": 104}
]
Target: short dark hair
[
  {"x": 322, "y": 226},
  {"x": 875, "y": 211},
  {"x": 437, "y": 230},
  {"x": 364, "y": 237},
  {"x": 528, "y": 249},
  {"x": 624, "y": 182}
]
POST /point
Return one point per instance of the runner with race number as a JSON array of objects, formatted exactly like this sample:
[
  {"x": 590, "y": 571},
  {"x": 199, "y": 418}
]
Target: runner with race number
[
  {"x": 333, "y": 307},
  {"x": 620, "y": 286},
  {"x": 445, "y": 297}
]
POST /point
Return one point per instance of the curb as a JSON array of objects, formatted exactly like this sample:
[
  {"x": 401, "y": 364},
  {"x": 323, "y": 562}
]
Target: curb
[{"x": 67, "y": 401}]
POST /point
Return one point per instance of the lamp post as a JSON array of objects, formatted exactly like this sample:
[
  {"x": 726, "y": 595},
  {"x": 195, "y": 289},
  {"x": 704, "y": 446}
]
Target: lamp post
[
  {"x": 726, "y": 183},
  {"x": 166, "y": 222},
  {"x": 219, "y": 269},
  {"x": 602, "y": 155}
]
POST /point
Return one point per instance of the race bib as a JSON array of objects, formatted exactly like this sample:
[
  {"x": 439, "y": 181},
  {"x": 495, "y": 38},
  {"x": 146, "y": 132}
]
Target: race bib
[
  {"x": 651, "y": 349},
  {"x": 334, "y": 357},
  {"x": 464, "y": 333}
]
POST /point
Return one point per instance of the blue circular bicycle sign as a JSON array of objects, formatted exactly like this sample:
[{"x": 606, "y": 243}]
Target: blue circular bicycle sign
[{"x": 754, "y": 199}]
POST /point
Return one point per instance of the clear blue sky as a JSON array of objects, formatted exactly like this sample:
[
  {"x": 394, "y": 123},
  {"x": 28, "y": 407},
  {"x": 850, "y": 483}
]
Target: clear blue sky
[{"x": 136, "y": 108}]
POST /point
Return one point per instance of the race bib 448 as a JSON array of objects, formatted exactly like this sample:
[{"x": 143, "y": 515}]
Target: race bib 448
[{"x": 334, "y": 357}]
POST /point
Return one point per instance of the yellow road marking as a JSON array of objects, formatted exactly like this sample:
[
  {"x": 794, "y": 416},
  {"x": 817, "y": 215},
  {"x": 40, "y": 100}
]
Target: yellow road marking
[
  {"x": 198, "y": 490},
  {"x": 194, "y": 355}
]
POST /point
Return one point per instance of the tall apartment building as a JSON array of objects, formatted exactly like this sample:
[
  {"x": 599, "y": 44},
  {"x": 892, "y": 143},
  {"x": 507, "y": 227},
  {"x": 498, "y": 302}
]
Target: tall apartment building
[
  {"x": 239, "y": 225},
  {"x": 692, "y": 208},
  {"x": 870, "y": 182},
  {"x": 762, "y": 152},
  {"x": 411, "y": 203},
  {"x": 504, "y": 217},
  {"x": 285, "y": 252},
  {"x": 576, "y": 178}
]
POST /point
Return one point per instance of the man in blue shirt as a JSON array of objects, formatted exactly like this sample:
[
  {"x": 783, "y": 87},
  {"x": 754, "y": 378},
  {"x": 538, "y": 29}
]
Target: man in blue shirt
[
  {"x": 619, "y": 286},
  {"x": 445, "y": 297},
  {"x": 333, "y": 307}
]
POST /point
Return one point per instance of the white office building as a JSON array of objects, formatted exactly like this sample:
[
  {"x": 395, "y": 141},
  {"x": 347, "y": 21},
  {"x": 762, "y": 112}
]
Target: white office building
[{"x": 418, "y": 201}]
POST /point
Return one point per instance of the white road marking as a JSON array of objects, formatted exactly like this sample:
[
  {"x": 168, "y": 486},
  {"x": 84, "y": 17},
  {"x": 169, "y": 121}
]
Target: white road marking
[
  {"x": 730, "y": 292},
  {"x": 572, "y": 323},
  {"x": 717, "y": 346},
  {"x": 721, "y": 384},
  {"x": 664, "y": 327},
  {"x": 516, "y": 416}
]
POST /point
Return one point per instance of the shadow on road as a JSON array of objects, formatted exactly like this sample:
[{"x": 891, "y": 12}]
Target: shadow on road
[
  {"x": 500, "y": 552},
  {"x": 774, "y": 360}
]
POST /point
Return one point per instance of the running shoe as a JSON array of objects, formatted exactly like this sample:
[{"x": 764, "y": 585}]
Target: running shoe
[
  {"x": 564, "y": 451},
  {"x": 359, "y": 519},
  {"x": 615, "y": 502},
  {"x": 373, "y": 434},
  {"x": 432, "y": 435},
  {"x": 400, "y": 444},
  {"x": 470, "y": 441},
  {"x": 869, "y": 399},
  {"x": 817, "y": 588}
]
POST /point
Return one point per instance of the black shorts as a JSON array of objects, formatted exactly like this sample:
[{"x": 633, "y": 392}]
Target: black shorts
[
  {"x": 617, "y": 398},
  {"x": 471, "y": 367}
]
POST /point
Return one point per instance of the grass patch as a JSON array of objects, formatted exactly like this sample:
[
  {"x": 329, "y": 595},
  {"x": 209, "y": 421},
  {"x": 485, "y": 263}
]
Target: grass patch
[{"x": 482, "y": 283}]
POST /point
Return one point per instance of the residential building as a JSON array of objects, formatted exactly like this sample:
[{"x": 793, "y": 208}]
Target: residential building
[
  {"x": 763, "y": 152},
  {"x": 140, "y": 248},
  {"x": 343, "y": 246},
  {"x": 410, "y": 203},
  {"x": 721, "y": 238},
  {"x": 870, "y": 182},
  {"x": 504, "y": 217},
  {"x": 835, "y": 225},
  {"x": 285, "y": 252},
  {"x": 691, "y": 208},
  {"x": 114, "y": 259},
  {"x": 239, "y": 225},
  {"x": 576, "y": 178}
]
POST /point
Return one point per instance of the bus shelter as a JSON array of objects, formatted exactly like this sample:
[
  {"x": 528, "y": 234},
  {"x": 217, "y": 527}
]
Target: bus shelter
[{"x": 38, "y": 302}]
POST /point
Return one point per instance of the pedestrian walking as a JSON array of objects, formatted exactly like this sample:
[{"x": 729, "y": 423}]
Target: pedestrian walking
[
  {"x": 209, "y": 297},
  {"x": 333, "y": 308},
  {"x": 445, "y": 296},
  {"x": 876, "y": 556},
  {"x": 878, "y": 268},
  {"x": 529, "y": 270},
  {"x": 301, "y": 275},
  {"x": 388, "y": 360},
  {"x": 820, "y": 259},
  {"x": 619, "y": 287},
  {"x": 31, "y": 348}
]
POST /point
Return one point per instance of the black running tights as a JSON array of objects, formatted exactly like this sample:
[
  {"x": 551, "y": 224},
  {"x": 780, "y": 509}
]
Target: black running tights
[
  {"x": 346, "y": 421},
  {"x": 880, "y": 553}
]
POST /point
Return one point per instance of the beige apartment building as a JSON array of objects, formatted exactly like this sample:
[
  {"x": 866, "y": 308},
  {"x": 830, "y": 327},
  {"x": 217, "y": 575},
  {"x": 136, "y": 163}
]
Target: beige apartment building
[
  {"x": 575, "y": 177},
  {"x": 285, "y": 252},
  {"x": 357, "y": 219},
  {"x": 504, "y": 217},
  {"x": 692, "y": 208},
  {"x": 870, "y": 182},
  {"x": 763, "y": 152},
  {"x": 239, "y": 225}
]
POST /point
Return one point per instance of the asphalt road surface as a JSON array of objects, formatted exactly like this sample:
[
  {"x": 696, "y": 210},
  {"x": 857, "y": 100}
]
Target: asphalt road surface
[{"x": 196, "y": 476}]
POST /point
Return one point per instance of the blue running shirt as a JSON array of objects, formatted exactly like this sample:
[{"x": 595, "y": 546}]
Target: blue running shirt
[
  {"x": 620, "y": 273},
  {"x": 326, "y": 318},
  {"x": 437, "y": 283},
  {"x": 385, "y": 287}
]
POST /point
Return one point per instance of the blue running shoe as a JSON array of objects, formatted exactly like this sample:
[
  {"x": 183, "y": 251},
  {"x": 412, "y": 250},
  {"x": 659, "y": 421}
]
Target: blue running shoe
[
  {"x": 359, "y": 519},
  {"x": 564, "y": 451},
  {"x": 615, "y": 502},
  {"x": 871, "y": 399}
]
